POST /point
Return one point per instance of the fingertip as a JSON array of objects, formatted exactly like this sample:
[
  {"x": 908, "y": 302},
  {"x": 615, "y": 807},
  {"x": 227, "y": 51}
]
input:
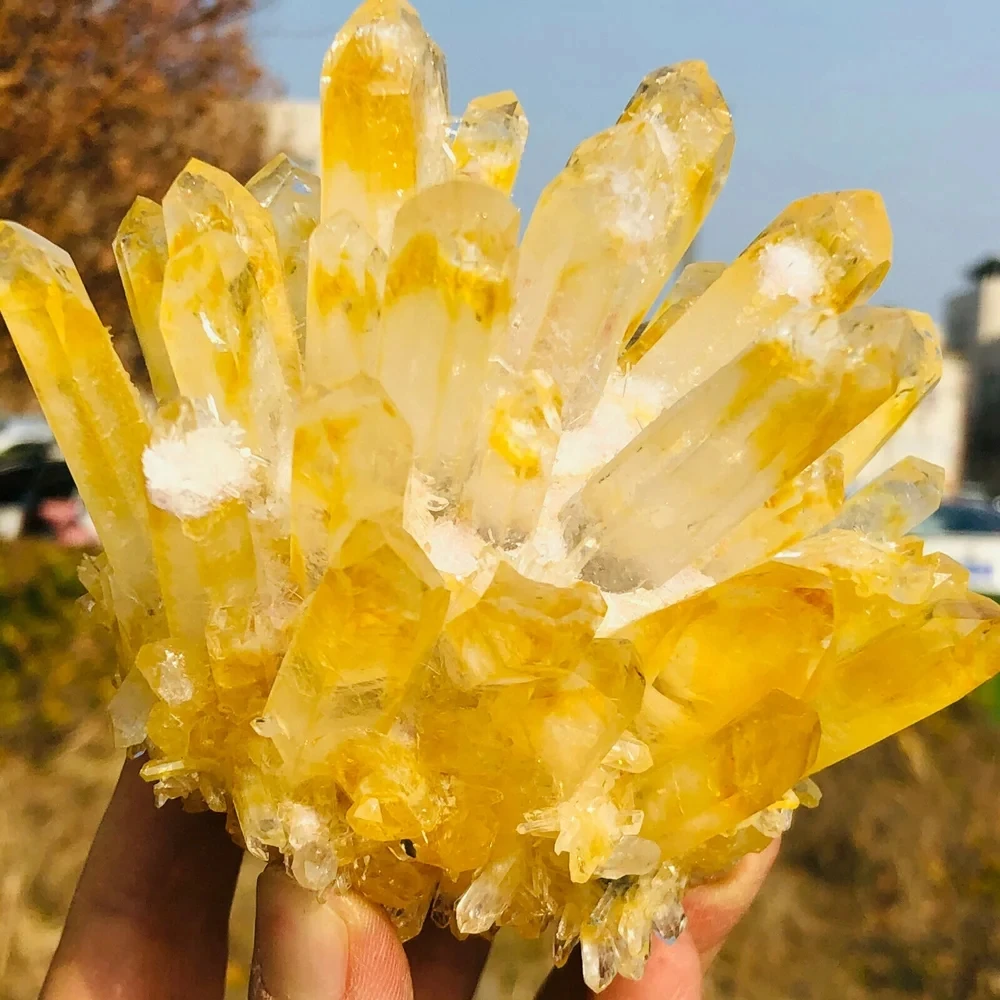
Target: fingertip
[
  {"x": 340, "y": 949},
  {"x": 673, "y": 972},
  {"x": 714, "y": 909}
]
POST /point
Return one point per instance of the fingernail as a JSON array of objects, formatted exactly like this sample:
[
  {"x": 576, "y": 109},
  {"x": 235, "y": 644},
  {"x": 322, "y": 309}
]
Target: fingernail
[{"x": 301, "y": 946}]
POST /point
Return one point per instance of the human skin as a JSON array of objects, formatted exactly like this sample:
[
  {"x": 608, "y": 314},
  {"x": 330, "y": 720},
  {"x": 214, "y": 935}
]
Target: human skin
[{"x": 149, "y": 921}]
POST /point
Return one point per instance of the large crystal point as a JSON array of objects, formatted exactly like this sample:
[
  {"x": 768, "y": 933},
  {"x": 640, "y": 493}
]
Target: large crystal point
[
  {"x": 447, "y": 297},
  {"x": 726, "y": 448},
  {"x": 141, "y": 252},
  {"x": 205, "y": 199},
  {"x": 87, "y": 396},
  {"x": 611, "y": 227},
  {"x": 895, "y": 503},
  {"x": 490, "y": 140},
  {"x": 217, "y": 331},
  {"x": 919, "y": 364},
  {"x": 741, "y": 769},
  {"x": 385, "y": 108},
  {"x": 821, "y": 256},
  {"x": 688, "y": 693},
  {"x": 869, "y": 695}
]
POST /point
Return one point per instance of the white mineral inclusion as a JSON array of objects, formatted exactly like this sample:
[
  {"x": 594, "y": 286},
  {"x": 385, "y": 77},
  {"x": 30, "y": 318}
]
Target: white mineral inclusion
[
  {"x": 190, "y": 473},
  {"x": 792, "y": 267}
]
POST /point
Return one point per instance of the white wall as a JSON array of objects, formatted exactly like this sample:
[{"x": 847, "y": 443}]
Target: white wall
[{"x": 293, "y": 128}]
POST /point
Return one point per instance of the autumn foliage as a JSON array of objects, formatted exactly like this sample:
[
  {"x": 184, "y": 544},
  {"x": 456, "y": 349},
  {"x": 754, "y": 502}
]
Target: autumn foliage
[{"x": 102, "y": 100}]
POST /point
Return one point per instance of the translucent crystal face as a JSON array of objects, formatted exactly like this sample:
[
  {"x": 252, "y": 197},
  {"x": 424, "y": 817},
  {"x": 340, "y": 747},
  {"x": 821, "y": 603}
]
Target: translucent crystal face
[{"x": 446, "y": 574}]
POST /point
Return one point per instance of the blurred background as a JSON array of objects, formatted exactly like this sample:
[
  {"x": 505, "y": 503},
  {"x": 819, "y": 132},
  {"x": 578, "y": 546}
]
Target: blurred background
[{"x": 892, "y": 888}]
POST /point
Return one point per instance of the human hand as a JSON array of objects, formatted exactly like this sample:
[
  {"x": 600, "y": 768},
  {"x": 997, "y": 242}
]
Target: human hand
[{"x": 149, "y": 921}]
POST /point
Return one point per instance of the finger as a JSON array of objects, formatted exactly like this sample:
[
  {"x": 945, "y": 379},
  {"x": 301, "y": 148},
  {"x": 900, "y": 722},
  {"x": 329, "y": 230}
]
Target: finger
[
  {"x": 673, "y": 972},
  {"x": 713, "y": 910},
  {"x": 443, "y": 968},
  {"x": 343, "y": 949},
  {"x": 150, "y": 917}
]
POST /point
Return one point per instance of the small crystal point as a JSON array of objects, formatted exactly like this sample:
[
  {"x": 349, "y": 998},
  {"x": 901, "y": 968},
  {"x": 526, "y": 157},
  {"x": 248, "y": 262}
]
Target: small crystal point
[
  {"x": 894, "y": 503},
  {"x": 490, "y": 140}
]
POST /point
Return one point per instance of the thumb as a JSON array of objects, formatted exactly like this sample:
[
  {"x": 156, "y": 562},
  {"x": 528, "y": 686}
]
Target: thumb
[{"x": 343, "y": 949}]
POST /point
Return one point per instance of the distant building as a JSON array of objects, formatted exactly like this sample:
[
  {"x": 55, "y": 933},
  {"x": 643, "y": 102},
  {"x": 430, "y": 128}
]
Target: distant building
[
  {"x": 972, "y": 333},
  {"x": 292, "y": 127}
]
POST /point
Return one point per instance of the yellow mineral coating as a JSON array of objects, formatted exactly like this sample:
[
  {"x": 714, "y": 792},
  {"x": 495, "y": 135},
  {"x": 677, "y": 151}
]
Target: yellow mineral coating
[
  {"x": 351, "y": 461},
  {"x": 693, "y": 282},
  {"x": 346, "y": 278},
  {"x": 447, "y": 300},
  {"x": 291, "y": 196},
  {"x": 141, "y": 252},
  {"x": 490, "y": 140},
  {"x": 508, "y": 487},
  {"x": 380, "y": 596},
  {"x": 384, "y": 106}
]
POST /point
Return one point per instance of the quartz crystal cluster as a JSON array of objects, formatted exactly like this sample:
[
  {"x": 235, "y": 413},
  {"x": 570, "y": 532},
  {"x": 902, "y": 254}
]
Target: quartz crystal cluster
[{"x": 450, "y": 567}]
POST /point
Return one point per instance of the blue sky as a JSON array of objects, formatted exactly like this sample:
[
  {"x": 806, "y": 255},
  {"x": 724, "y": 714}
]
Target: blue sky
[{"x": 899, "y": 95}]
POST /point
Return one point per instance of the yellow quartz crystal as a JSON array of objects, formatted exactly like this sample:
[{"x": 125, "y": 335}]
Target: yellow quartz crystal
[
  {"x": 384, "y": 105},
  {"x": 141, "y": 252},
  {"x": 443, "y": 573},
  {"x": 821, "y": 256},
  {"x": 85, "y": 392},
  {"x": 692, "y": 283},
  {"x": 346, "y": 278},
  {"x": 447, "y": 300},
  {"x": 292, "y": 197},
  {"x": 490, "y": 140},
  {"x": 351, "y": 460}
]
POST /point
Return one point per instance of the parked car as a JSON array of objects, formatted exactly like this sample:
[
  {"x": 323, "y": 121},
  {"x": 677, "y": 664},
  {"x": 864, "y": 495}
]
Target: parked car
[
  {"x": 969, "y": 532},
  {"x": 37, "y": 492}
]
